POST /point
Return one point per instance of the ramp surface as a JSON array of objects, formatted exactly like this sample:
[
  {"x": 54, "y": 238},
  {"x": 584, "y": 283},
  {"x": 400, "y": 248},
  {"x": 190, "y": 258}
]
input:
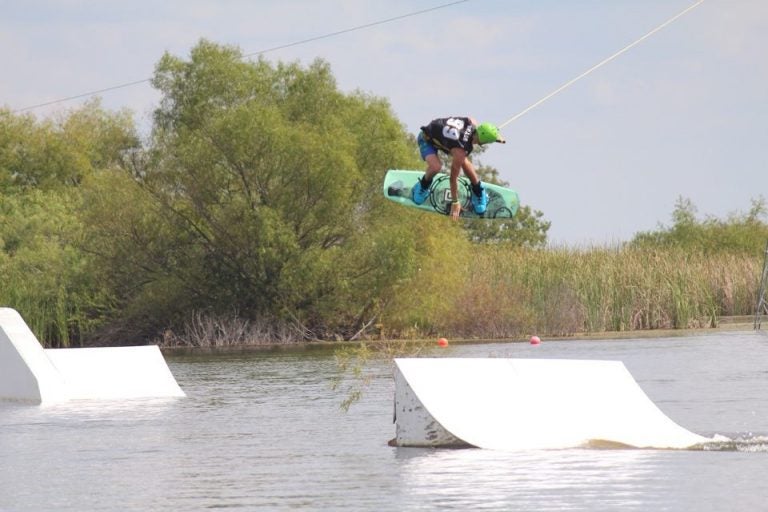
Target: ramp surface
[
  {"x": 29, "y": 373},
  {"x": 110, "y": 373},
  {"x": 509, "y": 404},
  {"x": 26, "y": 373}
]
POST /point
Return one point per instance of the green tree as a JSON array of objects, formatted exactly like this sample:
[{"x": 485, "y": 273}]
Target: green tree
[
  {"x": 43, "y": 271},
  {"x": 738, "y": 232},
  {"x": 259, "y": 193},
  {"x": 58, "y": 152}
]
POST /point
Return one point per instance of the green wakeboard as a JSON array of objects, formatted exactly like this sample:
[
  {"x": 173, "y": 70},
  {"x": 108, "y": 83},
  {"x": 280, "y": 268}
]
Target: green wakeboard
[{"x": 502, "y": 202}]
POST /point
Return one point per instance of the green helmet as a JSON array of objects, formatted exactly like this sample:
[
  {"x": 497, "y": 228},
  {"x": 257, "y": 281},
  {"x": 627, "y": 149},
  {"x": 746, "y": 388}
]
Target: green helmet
[{"x": 486, "y": 132}]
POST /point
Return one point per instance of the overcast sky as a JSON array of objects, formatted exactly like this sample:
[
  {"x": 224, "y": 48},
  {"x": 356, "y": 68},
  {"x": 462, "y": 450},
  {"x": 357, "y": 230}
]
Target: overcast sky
[{"x": 683, "y": 113}]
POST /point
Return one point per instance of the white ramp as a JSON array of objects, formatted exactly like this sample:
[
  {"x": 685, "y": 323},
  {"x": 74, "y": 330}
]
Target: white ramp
[
  {"x": 30, "y": 373},
  {"x": 510, "y": 404},
  {"x": 26, "y": 373},
  {"x": 110, "y": 373}
]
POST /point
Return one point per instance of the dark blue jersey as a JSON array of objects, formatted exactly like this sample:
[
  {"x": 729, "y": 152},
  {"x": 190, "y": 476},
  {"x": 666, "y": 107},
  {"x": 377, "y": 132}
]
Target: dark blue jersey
[{"x": 450, "y": 132}]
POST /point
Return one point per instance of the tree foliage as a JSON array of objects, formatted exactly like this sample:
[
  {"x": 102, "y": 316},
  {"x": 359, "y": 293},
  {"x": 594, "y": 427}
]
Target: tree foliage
[
  {"x": 259, "y": 193},
  {"x": 60, "y": 152},
  {"x": 739, "y": 232},
  {"x": 42, "y": 165}
]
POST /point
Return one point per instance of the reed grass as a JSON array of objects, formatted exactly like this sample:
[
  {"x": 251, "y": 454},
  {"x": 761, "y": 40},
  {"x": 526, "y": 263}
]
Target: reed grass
[
  {"x": 561, "y": 291},
  {"x": 488, "y": 292},
  {"x": 44, "y": 304}
]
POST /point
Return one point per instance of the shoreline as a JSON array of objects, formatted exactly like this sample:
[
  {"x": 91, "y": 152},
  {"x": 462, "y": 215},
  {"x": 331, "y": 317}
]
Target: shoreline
[{"x": 725, "y": 324}]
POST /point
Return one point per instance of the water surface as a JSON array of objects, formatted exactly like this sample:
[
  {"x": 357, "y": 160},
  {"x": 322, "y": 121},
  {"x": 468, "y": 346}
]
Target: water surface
[{"x": 264, "y": 431}]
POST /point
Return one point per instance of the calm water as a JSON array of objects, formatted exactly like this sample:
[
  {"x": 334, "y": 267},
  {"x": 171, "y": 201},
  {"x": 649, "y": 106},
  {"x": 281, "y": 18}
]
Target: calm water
[{"x": 263, "y": 431}]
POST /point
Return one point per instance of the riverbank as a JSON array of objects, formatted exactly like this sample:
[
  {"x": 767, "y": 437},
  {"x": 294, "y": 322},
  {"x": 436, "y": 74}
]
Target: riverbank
[{"x": 725, "y": 324}]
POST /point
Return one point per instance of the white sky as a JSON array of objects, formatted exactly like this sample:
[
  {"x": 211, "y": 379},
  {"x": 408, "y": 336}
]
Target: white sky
[{"x": 684, "y": 113}]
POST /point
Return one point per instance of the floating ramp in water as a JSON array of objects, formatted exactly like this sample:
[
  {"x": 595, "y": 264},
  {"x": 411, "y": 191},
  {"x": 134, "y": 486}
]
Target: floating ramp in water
[
  {"x": 29, "y": 373},
  {"x": 511, "y": 404}
]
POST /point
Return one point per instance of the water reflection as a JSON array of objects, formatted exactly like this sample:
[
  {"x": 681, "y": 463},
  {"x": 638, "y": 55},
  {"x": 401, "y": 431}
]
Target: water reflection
[{"x": 531, "y": 480}]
